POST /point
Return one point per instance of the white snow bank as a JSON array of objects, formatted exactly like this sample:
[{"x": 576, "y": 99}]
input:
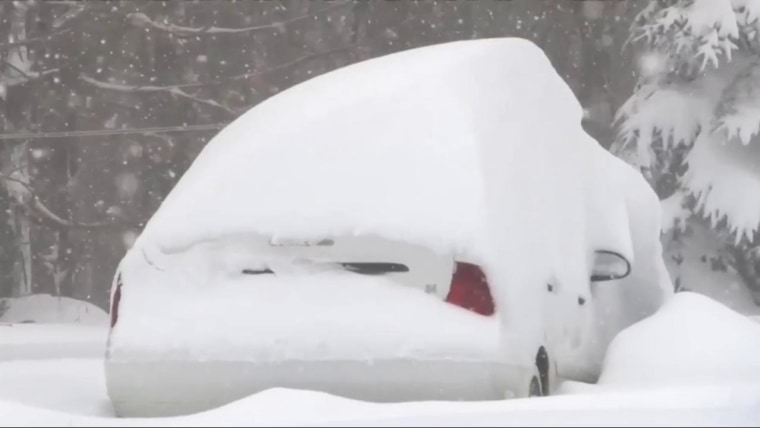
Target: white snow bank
[
  {"x": 332, "y": 315},
  {"x": 44, "y": 308},
  {"x": 73, "y": 386},
  {"x": 44, "y": 341},
  {"x": 734, "y": 405},
  {"x": 691, "y": 340}
]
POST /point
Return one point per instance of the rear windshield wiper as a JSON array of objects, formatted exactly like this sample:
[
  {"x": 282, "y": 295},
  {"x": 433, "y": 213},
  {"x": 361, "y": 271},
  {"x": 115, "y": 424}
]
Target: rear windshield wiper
[
  {"x": 364, "y": 268},
  {"x": 374, "y": 268},
  {"x": 256, "y": 271}
]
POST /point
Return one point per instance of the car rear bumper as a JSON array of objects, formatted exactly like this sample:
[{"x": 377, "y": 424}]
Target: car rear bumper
[{"x": 169, "y": 388}]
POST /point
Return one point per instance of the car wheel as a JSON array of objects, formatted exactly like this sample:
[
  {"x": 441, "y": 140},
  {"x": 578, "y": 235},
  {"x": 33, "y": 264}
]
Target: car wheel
[{"x": 524, "y": 383}]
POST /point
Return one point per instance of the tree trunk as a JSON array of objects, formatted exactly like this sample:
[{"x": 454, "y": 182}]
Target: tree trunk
[
  {"x": 15, "y": 166},
  {"x": 15, "y": 159}
]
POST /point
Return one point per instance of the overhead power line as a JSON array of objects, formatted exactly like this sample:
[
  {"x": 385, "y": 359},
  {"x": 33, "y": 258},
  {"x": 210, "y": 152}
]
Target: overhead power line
[{"x": 106, "y": 132}]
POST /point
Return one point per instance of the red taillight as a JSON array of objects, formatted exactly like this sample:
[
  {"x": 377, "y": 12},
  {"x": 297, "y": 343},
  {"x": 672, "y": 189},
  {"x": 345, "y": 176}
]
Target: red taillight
[
  {"x": 470, "y": 290},
  {"x": 115, "y": 301}
]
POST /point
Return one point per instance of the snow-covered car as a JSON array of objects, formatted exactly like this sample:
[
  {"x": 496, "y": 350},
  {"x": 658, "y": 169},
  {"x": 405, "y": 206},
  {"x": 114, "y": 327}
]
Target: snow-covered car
[{"x": 428, "y": 225}]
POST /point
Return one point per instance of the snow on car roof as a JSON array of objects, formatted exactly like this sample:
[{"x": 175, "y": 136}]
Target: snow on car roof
[{"x": 408, "y": 146}]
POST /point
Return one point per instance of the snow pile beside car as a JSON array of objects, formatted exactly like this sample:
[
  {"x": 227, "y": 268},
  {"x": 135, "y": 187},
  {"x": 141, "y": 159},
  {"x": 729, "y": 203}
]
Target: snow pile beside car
[
  {"x": 42, "y": 326},
  {"x": 44, "y": 308},
  {"x": 692, "y": 339}
]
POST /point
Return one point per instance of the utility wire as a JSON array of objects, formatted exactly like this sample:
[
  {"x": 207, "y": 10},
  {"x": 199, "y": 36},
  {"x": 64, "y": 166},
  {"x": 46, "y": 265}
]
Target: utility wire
[{"x": 105, "y": 132}]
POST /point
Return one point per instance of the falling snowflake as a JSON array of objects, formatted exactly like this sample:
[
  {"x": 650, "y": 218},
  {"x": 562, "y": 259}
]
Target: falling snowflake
[
  {"x": 127, "y": 185},
  {"x": 651, "y": 63},
  {"x": 128, "y": 238}
]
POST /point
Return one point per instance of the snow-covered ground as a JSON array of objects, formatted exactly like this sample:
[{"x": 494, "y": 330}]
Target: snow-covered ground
[
  {"x": 70, "y": 385},
  {"x": 714, "y": 349},
  {"x": 44, "y": 326},
  {"x": 708, "y": 406},
  {"x": 45, "y": 341}
]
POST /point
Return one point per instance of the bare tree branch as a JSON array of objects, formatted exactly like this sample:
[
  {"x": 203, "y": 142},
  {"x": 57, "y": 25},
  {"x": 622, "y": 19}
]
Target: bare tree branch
[
  {"x": 127, "y": 88},
  {"x": 75, "y": 10},
  {"x": 37, "y": 208},
  {"x": 293, "y": 62},
  {"x": 209, "y": 102},
  {"x": 17, "y": 69},
  {"x": 64, "y": 2},
  {"x": 174, "y": 90},
  {"x": 40, "y": 39},
  {"x": 142, "y": 20},
  {"x": 258, "y": 73},
  {"x": 27, "y": 76},
  {"x": 44, "y": 213}
]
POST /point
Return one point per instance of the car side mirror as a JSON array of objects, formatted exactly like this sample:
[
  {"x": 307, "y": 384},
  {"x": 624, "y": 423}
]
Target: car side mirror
[{"x": 609, "y": 265}]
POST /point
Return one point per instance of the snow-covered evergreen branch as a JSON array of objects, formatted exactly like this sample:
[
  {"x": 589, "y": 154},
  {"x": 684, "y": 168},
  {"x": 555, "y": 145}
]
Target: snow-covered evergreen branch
[{"x": 712, "y": 112}]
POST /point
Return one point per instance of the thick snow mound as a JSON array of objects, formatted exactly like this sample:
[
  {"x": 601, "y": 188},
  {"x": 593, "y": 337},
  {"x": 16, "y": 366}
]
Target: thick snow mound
[
  {"x": 44, "y": 308},
  {"x": 399, "y": 145},
  {"x": 691, "y": 339}
]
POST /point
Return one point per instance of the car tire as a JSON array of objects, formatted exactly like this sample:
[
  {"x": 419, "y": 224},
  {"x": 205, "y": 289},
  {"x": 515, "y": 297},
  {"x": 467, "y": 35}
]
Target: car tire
[
  {"x": 534, "y": 388},
  {"x": 524, "y": 383}
]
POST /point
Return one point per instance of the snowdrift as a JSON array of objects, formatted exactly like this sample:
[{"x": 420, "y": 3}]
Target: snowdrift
[
  {"x": 42, "y": 326},
  {"x": 44, "y": 308},
  {"x": 691, "y": 340}
]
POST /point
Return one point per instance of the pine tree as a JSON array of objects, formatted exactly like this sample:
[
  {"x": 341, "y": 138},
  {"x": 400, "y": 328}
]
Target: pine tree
[{"x": 693, "y": 120}]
